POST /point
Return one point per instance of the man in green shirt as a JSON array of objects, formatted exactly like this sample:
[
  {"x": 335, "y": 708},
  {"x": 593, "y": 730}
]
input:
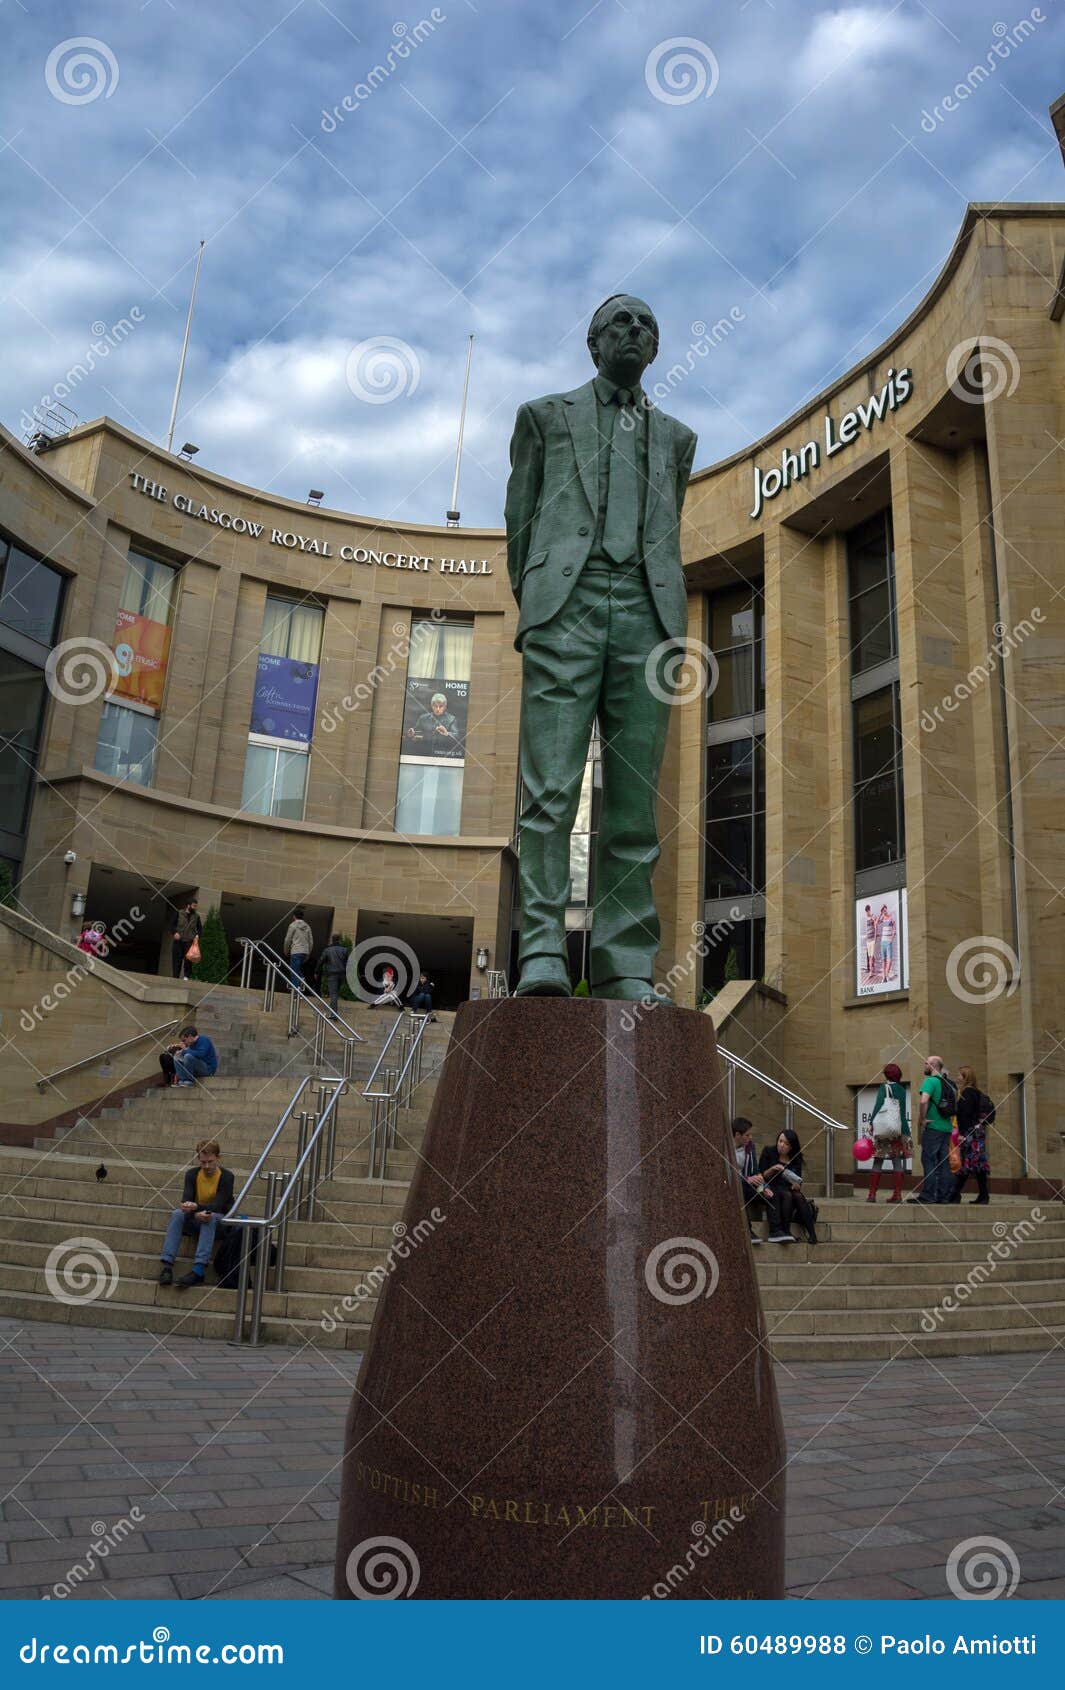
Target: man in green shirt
[{"x": 938, "y": 1181}]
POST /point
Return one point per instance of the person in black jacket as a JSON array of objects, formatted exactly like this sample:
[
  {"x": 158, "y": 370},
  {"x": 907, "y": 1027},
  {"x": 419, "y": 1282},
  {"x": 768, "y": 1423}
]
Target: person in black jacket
[
  {"x": 332, "y": 966},
  {"x": 755, "y": 1203},
  {"x": 207, "y": 1195},
  {"x": 974, "y": 1114},
  {"x": 780, "y": 1165}
]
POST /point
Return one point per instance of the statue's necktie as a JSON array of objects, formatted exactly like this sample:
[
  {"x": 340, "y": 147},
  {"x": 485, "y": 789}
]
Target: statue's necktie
[{"x": 623, "y": 491}]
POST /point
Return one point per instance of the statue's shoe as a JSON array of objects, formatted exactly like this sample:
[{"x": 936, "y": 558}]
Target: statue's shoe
[
  {"x": 631, "y": 991},
  {"x": 544, "y": 977}
]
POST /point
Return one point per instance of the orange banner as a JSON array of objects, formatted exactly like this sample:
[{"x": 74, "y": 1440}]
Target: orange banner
[{"x": 141, "y": 648}]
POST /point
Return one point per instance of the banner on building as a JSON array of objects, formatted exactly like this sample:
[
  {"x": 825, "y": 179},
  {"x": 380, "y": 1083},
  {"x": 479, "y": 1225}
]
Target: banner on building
[
  {"x": 285, "y": 694},
  {"x": 141, "y": 649},
  {"x": 880, "y": 943},
  {"x": 435, "y": 719}
]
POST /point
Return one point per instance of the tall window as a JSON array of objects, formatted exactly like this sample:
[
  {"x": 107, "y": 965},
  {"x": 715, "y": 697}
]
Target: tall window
[
  {"x": 738, "y": 641},
  {"x": 129, "y": 726},
  {"x": 30, "y": 594},
  {"x": 878, "y": 817},
  {"x": 871, "y": 580},
  {"x": 734, "y": 878},
  {"x": 283, "y": 705},
  {"x": 435, "y": 720}
]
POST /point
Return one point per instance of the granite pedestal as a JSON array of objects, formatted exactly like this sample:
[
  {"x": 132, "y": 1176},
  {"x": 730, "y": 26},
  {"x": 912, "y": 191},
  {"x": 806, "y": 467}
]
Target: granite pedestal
[{"x": 567, "y": 1392}]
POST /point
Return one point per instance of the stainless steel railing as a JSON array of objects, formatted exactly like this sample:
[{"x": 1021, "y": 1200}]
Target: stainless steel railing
[
  {"x": 392, "y": 1084},
  {"x": 792, "y": 1101},
  {"x": 326, "y": 1020},
  {"x": 496, "y": 983},
  {"x": 110, "y": 1050},
  {"x": 287, "y": 1195}
]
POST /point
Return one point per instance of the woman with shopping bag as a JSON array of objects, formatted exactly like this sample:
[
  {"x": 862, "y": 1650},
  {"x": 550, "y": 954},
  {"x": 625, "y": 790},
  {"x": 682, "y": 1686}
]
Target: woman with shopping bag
[{"x": 889, "y": 1129}]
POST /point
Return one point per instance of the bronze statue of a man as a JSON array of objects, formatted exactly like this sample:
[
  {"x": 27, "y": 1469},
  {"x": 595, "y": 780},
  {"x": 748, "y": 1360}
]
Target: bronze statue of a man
[{"x": 593, "y": 504}]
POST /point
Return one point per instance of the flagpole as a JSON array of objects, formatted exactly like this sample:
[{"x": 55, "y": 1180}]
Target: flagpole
[
  {"x": 453, "y": 513},
  {"x": 184, "y": 350}
]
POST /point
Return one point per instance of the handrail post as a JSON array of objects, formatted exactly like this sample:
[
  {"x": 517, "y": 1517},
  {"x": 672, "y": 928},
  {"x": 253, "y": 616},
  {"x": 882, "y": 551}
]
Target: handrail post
[
  {"x": 301, "y": 1145},
  {"x": 242, "y": 1285},
  {"x": 331, "y": 1136},
  {"x": 268, "y": 988},
  {"x": 349, "y": 1057},
  {"x": 293, "y": 1013},
  {"x": 284, "y": 1181},
  {"x": 730, "y": 1090},
  {"x": 830, "y": 1162},
  {"x": 312, "y": 1169}
]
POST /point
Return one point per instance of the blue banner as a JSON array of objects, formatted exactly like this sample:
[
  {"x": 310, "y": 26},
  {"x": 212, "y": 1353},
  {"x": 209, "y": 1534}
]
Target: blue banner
[
  {"x": 285, "y": 693},
  {"x": 518, "y": 1644}
]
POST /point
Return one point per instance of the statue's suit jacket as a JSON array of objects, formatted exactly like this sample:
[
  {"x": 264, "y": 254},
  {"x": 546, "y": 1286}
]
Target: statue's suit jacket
[{"x": 552, "y": 503}]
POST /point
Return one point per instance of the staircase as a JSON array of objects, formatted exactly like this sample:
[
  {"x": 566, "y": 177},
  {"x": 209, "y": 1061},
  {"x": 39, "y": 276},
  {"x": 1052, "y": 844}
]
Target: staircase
[
  {"x": 50, "y": 1195},
  {"x": 873, "y": 1288}
]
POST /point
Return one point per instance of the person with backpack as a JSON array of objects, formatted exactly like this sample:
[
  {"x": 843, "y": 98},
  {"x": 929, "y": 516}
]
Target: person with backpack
[
  {"x": 332, "y": 966},
  {"x": 939, "y": 1100},
  {"x": 889, "y": 1129},
  {"x": 299, "y": 943},
  {"x": 975, "y": 1113}
]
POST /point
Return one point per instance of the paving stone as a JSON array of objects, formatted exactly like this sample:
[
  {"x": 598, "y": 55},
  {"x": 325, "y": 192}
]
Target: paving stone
[{"x": 280, "y": 1588}]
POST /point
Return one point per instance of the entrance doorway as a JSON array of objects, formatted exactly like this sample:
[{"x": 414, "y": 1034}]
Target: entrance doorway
[{"x": 439, "y": 945}]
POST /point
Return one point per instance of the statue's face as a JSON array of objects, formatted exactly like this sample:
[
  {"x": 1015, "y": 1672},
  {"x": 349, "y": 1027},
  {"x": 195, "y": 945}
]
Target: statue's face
[{"x": 627, "y": 336}]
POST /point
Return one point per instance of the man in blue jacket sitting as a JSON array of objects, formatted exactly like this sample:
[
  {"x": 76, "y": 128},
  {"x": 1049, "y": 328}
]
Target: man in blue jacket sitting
[{"x": 197, "y": 1059}]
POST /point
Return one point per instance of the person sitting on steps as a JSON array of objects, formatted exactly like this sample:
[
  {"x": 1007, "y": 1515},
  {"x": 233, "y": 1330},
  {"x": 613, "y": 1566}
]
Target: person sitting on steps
[
  {"x": 780, "y": 1165},
  {"x": 207, "y": 1196}
]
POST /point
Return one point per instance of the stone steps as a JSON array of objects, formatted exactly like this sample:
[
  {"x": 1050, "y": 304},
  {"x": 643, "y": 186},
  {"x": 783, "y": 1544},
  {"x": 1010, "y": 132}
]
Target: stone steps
[{"x": 210, "y": 1317}]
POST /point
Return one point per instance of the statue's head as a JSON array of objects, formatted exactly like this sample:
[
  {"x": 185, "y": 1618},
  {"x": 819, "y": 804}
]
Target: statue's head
[{"x": 623, "y": 338}]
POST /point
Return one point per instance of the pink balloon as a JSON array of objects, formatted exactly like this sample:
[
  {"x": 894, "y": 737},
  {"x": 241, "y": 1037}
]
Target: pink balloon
[{"x": 864, "y": 1149}]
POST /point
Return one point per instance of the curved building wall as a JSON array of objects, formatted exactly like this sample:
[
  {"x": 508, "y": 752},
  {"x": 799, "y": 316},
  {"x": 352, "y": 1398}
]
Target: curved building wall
[{"x": 859, "y": 740}]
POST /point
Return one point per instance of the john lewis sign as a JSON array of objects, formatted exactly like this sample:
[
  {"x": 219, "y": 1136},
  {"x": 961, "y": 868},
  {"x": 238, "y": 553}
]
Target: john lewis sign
[
  {"x": 313, "y": 544},
  {"x": 794, "y": 465}
]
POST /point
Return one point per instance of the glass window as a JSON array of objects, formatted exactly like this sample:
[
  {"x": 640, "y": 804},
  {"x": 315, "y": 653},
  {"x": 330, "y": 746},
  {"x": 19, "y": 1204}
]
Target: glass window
[
  {"x": 735, "y": 822},
  {"x": 871, "y": 578},
  {"x": 22, "y": 693},
  {"x": 148, "y": 589},
  {"x": 29, "y": 594},
  {"x": 125, "y": 747},
  {"x": 738, "y": 643},
  {"x": 275, "y": 782},
  {"x": 429, "y": 798},
  {"x": 735, "y": 951},
  {"x": 440, "y": 649},
  {"x": 292, "y": 630},
  {"x": 878, "y": 816}
]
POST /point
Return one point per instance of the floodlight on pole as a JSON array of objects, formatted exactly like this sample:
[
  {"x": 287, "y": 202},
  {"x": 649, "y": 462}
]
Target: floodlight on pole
[{"x": 184, "y": 350}]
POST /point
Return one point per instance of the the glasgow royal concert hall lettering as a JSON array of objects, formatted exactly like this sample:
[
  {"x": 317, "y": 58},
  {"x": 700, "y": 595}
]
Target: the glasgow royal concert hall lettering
[
  {"x": 795, "y": 464},
  {"x": 311, "y": 544}
]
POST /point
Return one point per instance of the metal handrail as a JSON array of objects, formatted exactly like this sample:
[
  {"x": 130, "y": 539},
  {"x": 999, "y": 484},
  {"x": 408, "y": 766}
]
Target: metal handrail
[
  {"x": 275, "y": 961},
  {"x": 272, "y": 1140},
  {"x": 496, "y": 982},
  {"x": 399, "y": 1085},
  {"x": 792, "y": 1101},
  {"x": 110, "y": 1050},
  {"x": 280, "y": 1188}
]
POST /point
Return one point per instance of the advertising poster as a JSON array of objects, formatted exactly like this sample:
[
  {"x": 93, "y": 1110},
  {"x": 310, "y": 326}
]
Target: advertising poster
[
  {"x": 434, "y": 719},
  {"x": 141, "y": 649},
  {"x": 863, "y": 1108},
  {"x": 880, "y": 942},
  {"x": 285, "y": 694}
]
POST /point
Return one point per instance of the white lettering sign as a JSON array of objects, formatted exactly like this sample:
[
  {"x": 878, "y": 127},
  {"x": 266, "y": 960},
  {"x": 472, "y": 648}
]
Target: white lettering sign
[{"x": 794, "y": 465}]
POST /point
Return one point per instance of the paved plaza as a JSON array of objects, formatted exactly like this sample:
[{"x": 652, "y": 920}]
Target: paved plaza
[{"x": 210, "y": 1472}]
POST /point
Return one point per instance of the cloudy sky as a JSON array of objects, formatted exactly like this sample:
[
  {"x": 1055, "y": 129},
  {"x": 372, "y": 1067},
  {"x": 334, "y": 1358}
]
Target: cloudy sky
[{"x": 498, "y": 168}]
